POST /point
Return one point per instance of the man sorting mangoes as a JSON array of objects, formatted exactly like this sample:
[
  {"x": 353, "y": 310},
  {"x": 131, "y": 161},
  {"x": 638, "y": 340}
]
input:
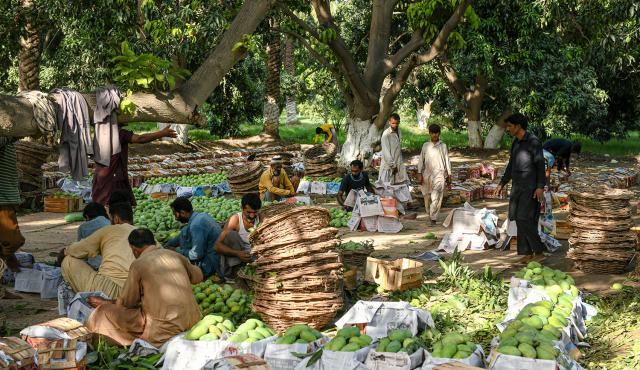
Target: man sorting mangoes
[
  {"x": 274, "y": 182},
  {"x": 156, "y": 303},
  {"x": 233, "y": 244},
  {"x": 110, "y": 242},
  {"x": 196, "y": 239}
]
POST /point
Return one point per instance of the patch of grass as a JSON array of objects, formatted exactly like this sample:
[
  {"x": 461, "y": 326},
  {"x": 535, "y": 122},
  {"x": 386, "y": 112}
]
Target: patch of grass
[
  {"x": 142, "y": 127},
  {"x": 627, "y": 146}
]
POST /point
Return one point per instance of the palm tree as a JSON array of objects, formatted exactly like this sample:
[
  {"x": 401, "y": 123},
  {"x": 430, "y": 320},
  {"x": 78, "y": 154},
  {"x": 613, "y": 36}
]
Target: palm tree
[
  {"x": 290, "y": 68},
  {"x": 271, "y": 109},
  {"x": 29, "y": 55}
]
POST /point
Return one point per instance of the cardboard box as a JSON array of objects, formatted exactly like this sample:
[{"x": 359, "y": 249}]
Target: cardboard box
[{"x": 401, "y": 274}]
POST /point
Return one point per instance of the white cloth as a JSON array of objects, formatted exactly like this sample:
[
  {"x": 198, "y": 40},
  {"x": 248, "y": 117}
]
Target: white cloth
[
  {"x": 242, "y": 231},
  {"x": 434, "y": 166},
  {"x": 392, "y": 159},
  {"x": 434, "y": 159},
  {"x": 433, "y": 191}
]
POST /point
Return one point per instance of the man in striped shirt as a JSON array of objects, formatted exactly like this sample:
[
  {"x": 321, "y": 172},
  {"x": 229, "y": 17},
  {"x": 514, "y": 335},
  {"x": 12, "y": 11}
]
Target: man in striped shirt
[{"x": 10, "y": 237}]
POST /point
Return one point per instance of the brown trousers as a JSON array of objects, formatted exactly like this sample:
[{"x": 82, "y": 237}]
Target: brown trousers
[{"x": 11, "y": 238}]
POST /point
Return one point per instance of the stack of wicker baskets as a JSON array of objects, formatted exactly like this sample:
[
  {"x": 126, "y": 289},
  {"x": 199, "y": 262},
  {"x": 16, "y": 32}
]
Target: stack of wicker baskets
[
  {"x": 244, "y": 178},
  {"x": 30, "y": 157},
  {"x": 298, "y": 276},
  {"x": 3, "y": 267},
  {"x": 320, "y": 160},
  {"x": 601, "y": 241}
]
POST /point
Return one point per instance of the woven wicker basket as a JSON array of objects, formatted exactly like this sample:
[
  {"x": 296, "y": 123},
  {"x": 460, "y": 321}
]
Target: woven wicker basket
[
  {"x": 356, "y": 258},
  {"x": 3, "y": 267}
]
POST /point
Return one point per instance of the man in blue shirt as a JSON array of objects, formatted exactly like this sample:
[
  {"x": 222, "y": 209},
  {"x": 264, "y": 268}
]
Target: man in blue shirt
[
  {"x": 96, "y": 218},
  {"x": 196, "y": 239}
]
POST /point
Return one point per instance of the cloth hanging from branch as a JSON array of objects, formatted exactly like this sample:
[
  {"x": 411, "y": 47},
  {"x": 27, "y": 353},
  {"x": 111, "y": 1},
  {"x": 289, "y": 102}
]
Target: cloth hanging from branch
[
  {"x": 106, "y": 141},
  {"x": 44, "y": 113},
  {"x": 73, "y": 123}
]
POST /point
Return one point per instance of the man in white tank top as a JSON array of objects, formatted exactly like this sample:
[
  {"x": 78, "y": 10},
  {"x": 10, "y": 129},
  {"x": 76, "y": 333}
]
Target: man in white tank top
[{"x": 233, "y": 245}]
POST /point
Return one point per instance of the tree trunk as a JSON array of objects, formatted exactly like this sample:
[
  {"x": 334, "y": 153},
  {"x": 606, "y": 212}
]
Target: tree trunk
[
  {"x": 474, "y": 105},
  {"x": 271, "y": 110},
  {"x": 16, "y": 114},
  {"x": 423, "y": 113},
  {"x": 362, "y": 137},
  {"x": 494, "y": 137},
  {"x": 29, "y": 54},
  {"x": 290, "y": 67}
]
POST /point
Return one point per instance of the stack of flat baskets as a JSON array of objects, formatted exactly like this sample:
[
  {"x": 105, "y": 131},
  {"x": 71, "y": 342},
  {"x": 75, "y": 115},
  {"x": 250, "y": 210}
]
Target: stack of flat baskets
[
  {"x": 298, "y": 276},
  {"x": 320, "y": 160},
  {"x": 602, "y": 240},
  {"x": 357, "y": 258},
  {"x": 30, "y": 157},
  {"x": 244, "y": 179},
  {"x": 3, "y": 266}
]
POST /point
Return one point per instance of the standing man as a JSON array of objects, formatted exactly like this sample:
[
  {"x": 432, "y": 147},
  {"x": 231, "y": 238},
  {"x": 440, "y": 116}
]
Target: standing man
[
  {"x": 11, "y": 238},
  {"x": 116, "y": 176},
  {"x": 561, "y": 150},
  {"x": 274, "y": 182},
  {"x": 526, "y": 170},
  {"x": 156, "y": 303},
  {"x": 434, "y": 169},
  {"x": 392, "y": 168},
  {"x": 111, "y": 243},
  {"x": 233, "y": 245},
  {"x": 197, "y": 238},
  {"x": 356, "y": 180}
]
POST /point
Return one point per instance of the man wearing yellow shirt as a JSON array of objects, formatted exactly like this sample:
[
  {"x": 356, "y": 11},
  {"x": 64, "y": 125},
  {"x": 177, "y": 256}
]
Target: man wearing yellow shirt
[
  {"x": 111, "y": 242},
  {"x": 274, "y": 182},
  {"x": 328, "y": 131}
]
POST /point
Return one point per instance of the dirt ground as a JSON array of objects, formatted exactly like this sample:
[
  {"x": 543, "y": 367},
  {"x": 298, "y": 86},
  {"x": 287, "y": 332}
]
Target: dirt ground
[{"x": 47, "y": 233}]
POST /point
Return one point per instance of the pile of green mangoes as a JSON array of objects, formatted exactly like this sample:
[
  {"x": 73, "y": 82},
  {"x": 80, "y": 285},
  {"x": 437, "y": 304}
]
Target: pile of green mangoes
[
  {"x": 222, "y": 300},
  {"x": 156, "y": 215},
  {"x": 190, "y": 180},
  {"x": 140, "y": 195},
  {"x": 339, "y": 217},
  {"x": 398, "y": 340},
  {"x": 453, "y": 345},
  {"x": 348, "y": 339},
  {"x": 545, "y": 315},
  {"x": 211, "y": 327},
  {"x": 299, "y": 334},
  {"x": 251, "y": 331},
  {"x": 553, "y": 282},
  {"x": 533, "y": 333},
  {"x": 353, "y": 246},
  {"x": 218, "y": 208}
]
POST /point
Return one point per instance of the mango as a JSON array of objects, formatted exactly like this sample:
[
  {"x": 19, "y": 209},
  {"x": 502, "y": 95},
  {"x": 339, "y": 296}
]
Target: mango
[
  {"x": 509, "y": 350},
  {"x": 382, "y": 345},
  {"x": 399, "y": 334},
  {"x": 525, "y": 338},
  {"x": 287, "y": 339},
  {"x": 509, "y": 341},
  {"x": 336, "y": 343},
  {"x": 527, "y": 350},
  {"x": 541, "y": 311},
  {"x": 255, "y": 334},
  {"x": 238, "y": 338},
  {"x": 394, "y": 346},
  {"x": 307, "y": 336},
  {"x": 209, "y": 337},
  {"x": 453, "y": 338},
  {"x": 449, "y": 350},
  {"x": 264, "y": 332},
  {"x": 351, "y": 347}
]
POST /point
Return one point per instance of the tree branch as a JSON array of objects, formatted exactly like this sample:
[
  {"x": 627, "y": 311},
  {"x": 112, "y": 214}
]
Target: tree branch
[
  {"x": 414, "y": 44},
  {"x": 379, "y": 35},
  {"x": 319, "y": 57},
  {"x": 451, "y": 77},
  {"x": 208, "y": 76},
  {"x": 352, "y": 75},
  {"x": 441, "y": 40},
  {"x": 393, "y": 91}
]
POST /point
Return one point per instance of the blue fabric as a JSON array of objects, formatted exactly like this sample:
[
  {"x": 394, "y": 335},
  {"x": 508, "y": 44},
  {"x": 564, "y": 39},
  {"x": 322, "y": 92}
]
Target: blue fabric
[
  {"x": 92, "y": 226},
  {"x": 549, "y": 158},
  {"x": 333, "y": 188},
  {"x": 196, "y": 241}
]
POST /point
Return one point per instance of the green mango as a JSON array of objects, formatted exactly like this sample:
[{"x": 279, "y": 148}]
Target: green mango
[
  {"x": 461, "y": 355},
  {"x": 287, "y": 339},
  {"x": 509, "y": 350},
  {"x": 394, "y": 346},
  {"x": 527, "y": 350},
  {"x": 449, "y": 350},
  {"x": 307, "y": 335},
  {"x": 209, "y": 337},
  {"x": 351, "y": 347},
  {"x": 254, "y": 334},
  {"x": 382, "y": 345},
  {"x": 525, "y": 338},
  {"x": 509, "y": 341},
  {"x": 453, "y": 338},
  {"x": 238, "y": 338}
]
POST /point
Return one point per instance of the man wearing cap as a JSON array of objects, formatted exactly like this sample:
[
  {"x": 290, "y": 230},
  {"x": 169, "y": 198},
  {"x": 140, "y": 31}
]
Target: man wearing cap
[{"x": 274, "y": 182}]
